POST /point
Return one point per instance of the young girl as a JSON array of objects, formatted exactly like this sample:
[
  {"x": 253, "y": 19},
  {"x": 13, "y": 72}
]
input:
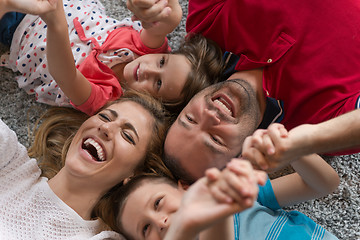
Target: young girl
[
  {"x": 119, "y": 141},
  {"x": 159, "y": 209},
  {"x": 107, "y": 53}
]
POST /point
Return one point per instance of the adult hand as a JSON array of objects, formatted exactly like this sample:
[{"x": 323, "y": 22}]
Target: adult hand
[{"x": 149, "y": 12}]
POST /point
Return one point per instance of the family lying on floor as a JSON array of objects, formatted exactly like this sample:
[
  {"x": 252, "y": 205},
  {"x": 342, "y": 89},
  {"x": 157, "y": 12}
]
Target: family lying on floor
[{"x": 145, "y": 142}]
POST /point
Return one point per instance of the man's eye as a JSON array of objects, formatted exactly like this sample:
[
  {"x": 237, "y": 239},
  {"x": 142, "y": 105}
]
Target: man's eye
[
  {"x": 128, "y": 137},
  {"x": 189, "y": 118},
  {"x": 217, "y": 140},
  {"x": 158, "y": 84},
  {"x": 145, "y": 229},
  {"x": 162, "y": 61},
  {"x": 104, "y": 117}
]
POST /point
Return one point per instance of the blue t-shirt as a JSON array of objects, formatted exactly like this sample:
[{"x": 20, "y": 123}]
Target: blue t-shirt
[{"x": 266, "y": 220}]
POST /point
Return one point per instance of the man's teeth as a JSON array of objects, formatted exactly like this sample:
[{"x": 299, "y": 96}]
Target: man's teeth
[
  {"x": 137, "y": 73},
  {"x": 223, "y": 106},
  {"x": 99, "y": 150}
]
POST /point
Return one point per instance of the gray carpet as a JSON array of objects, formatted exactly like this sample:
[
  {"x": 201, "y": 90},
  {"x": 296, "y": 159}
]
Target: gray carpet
[{"x": 339, "y": 212}]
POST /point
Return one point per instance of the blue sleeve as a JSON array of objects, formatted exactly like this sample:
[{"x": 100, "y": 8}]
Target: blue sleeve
[{"x": 267, "y": 197}]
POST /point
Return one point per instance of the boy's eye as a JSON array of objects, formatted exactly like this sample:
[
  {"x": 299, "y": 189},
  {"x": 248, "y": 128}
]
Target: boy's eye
[
  {"x": 158, "y": 84},
  {"x": 104, "y": 117},
  {"x": 145, "y": 229},
  {"x": 162, "y": 61},
  {"x": 156, "y": 203}
]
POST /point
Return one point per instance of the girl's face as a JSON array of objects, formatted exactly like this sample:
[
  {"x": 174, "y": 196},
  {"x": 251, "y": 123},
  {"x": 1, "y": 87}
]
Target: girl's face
[
  {"x": 110, "y": 145},
  {"x": 162, "y": 75},
  {"x": 148, "y": 210}
]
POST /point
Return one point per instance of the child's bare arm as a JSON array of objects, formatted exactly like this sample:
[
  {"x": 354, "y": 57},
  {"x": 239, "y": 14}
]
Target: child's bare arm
[
  {"x": 60, "y": 58},
  {"x": 169, "y": 16},
  {"x": 313, "y": 178},
  {"x": 27, "y": 6}
]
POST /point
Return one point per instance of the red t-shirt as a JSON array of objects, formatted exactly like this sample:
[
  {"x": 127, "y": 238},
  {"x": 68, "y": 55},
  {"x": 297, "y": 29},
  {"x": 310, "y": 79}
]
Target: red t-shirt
[{"x": 310, "y": 50}]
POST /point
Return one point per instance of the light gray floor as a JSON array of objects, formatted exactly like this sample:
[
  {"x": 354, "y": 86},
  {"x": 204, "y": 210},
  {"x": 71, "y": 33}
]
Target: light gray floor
[{"x": 338, "y": 213}]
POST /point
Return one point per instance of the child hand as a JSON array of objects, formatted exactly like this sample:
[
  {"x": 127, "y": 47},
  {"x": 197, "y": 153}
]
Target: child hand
[
  {"x": 149, "y": 12},
  {"x": 237, "y": 183},
  {"x": 264, "y": 148},
  {"x": 35, "y": 7}
]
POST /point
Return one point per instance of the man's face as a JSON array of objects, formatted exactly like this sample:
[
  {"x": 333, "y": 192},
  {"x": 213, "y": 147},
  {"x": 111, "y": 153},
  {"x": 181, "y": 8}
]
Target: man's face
[{"x": 212, "y": 127}]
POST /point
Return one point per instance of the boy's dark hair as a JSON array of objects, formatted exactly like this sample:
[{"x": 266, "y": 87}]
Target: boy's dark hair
[{"x": 111, "y": 210}]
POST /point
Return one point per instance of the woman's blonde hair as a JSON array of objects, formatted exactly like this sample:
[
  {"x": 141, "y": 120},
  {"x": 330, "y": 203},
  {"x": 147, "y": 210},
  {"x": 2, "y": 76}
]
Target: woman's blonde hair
[
  {"x": 206, "y": 61},
  {"x": 58, "y": 125}
]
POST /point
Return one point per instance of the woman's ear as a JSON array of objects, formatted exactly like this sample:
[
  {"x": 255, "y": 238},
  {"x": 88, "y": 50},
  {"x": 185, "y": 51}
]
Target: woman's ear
[{"x": 182, "y": 185}]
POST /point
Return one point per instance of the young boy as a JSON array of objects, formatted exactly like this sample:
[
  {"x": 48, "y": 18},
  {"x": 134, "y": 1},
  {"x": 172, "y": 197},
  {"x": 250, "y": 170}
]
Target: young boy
[{"x": 158, "y": 209}]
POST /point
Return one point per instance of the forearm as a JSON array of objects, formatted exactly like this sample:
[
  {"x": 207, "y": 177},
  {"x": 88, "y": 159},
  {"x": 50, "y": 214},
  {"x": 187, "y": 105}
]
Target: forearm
[
  {"x": 61, "y": 60},
  {"x": 340, "y": 133},
  {"x": 313, "y": 178},
  {"x": 223, "y": 229}
]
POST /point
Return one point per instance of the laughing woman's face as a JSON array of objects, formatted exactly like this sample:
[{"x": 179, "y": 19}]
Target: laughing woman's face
[{"x": 110, "y": 145}]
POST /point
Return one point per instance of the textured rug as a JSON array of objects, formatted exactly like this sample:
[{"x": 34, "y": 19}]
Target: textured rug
[{"x": 339, "y": 212}]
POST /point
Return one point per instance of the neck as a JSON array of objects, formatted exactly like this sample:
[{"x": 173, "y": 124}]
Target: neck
[
  {"x": 77, "y": 194},
  {"x": 255, "y": 79}
]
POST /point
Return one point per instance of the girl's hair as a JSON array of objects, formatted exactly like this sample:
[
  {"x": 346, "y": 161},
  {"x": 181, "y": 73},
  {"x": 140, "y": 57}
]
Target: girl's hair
[
  {"x": 59, "y": 125},
  {"x": 206, "y": 61},
  {"x": 112, "y": 211}
]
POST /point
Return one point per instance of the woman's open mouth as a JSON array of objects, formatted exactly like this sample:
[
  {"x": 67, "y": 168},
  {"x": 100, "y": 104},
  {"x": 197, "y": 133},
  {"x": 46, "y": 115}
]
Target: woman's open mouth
[{"x": 94, "y": 149}]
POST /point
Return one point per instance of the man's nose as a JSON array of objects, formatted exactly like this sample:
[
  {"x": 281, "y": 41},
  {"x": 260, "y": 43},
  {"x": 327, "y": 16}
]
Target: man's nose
[{"x": 210, "y": 118}]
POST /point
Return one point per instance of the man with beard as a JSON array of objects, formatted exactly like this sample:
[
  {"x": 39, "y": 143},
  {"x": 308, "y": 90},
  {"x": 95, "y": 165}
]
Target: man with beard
[{"x": 305, "y": 62}]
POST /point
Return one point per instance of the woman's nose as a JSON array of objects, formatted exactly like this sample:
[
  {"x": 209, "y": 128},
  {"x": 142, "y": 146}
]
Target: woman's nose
[
  {"x": 210, "y": 118},
  {"x": 106, "y": 130}
]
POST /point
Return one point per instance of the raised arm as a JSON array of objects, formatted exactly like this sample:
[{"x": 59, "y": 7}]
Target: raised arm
[
  {"x": 281, "y": 148},
  {"x": 167, "y": 14},
  {"x": 203, "y": 209},
  {"x": 313, "y": 176},
  {"x": 60, "y": 58}
]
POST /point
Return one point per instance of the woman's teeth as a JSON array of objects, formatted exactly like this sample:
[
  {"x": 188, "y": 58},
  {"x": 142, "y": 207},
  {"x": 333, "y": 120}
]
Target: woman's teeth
[{"x": 100, "y": 155}]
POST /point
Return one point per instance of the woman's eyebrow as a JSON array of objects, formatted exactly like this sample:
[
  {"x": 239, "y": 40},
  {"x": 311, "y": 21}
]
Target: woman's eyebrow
[
  {"x": 132, "y": 128},
  {"x": 127, "y": 124}
]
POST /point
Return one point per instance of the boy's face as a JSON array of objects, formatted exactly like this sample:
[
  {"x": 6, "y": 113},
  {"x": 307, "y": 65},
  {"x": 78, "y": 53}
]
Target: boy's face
[
  {"x": 148, "y": 210},
  {"x": 162, "y": 75}
]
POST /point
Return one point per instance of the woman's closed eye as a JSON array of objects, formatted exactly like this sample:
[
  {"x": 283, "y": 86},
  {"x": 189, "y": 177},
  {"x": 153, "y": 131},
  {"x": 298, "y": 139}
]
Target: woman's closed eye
[
  {"x": 104, "y": 117},
  {"x": 128, "y": 137}
]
